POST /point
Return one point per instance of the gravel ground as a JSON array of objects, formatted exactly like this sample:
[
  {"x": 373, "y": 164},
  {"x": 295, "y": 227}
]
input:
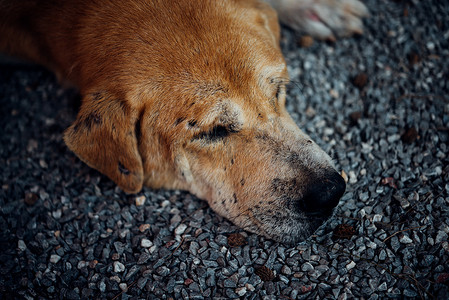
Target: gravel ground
[{"x": 378, "y": 103}]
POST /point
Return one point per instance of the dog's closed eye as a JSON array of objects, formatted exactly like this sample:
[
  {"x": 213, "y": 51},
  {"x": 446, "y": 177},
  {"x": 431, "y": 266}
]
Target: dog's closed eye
[
  {"x": 217, "y": 133},
  {"x": 280, "y": 91}
]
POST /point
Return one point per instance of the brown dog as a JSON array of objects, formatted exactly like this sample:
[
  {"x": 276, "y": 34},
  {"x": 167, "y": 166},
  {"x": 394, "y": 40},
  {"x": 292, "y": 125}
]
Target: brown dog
[{"x": 189, "y": 95}]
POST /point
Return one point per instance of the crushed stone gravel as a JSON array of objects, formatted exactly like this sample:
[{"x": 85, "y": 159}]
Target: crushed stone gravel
[{"x": 379, "y": 104}]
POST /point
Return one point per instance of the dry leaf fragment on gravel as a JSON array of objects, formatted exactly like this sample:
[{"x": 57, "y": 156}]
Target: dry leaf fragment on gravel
[
  {"x": 236, "y": 240},
  {"x": 354, "y": 117},
  {"x": 31, "y": 198},
  {"x": 413, "y": 58},
  {"x": 343, "y": 231},
  {"x": 410, "y": 136},
  {"x": 360, "y": 80},
  {"x": 305, "y": 41},
  {"x": 264, "y": 273}
]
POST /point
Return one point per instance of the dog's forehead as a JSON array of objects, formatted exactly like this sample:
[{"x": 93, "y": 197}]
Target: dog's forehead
[{"x": 229, "y": 101}]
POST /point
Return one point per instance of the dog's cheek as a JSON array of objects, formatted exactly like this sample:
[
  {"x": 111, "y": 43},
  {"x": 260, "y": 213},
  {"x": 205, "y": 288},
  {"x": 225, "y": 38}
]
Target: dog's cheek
[{"x": 183, "y": 167}]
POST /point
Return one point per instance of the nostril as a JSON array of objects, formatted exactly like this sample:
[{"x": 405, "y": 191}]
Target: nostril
[{"x": 324, "y": 194}]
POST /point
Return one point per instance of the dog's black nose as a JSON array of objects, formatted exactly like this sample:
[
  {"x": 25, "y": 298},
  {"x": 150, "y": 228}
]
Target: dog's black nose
[{"x": 324, "y": 193}]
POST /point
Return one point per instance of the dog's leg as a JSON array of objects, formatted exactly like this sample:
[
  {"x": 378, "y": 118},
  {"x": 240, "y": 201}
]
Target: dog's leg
[{"x": 323, "y": 19}]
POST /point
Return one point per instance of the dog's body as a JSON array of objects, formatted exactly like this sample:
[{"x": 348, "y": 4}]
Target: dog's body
[{"x": 188, "y": 95}]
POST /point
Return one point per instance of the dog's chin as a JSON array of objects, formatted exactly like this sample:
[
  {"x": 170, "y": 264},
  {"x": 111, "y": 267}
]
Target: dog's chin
[{"x": 292, "y": 229}]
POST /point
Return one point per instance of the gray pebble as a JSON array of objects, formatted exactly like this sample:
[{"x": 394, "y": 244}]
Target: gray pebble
[{"x": 118, "y": 267}]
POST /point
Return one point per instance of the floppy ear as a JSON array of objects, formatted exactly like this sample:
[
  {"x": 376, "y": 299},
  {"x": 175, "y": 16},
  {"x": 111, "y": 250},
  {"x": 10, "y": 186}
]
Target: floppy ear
[{"x": 104, "y": 137}]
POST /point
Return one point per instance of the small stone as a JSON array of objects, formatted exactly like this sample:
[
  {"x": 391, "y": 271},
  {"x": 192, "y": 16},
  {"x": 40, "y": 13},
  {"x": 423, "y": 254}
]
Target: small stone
[
  {"x": 131, "y": 272},
  {"x": 118, "y": 267},
  {"x": 377, "y": 218},
  {"x": 395, "y": 243},
  {"x": 352, "y": 177},
  {"x": 163, "y": 271},
  {"x": 54, "y": 258},
  {"x": 102, "y": 286},
  {"x": 93, "y": 264},
  {"x": 193, "y": 248},
  {"x": 175, "y": 220},
  {"x": 441, "y": 236},
  {"x": 306, "y": 267},
  {"x": 286, "y": 270},
  {"x": 325, "y": 286},
  {"x": 32, "y": 144},
  {"x": 228, "y": 283},
  {"x": 445, "y": 246},
  {"x": 123, "y": 287},
  {"x": 146, "y": 243},
  {"x": 123, "y": 233},
  {"x": 140, "y": 200},
  {"x": 410, "y": 293},
  {"x": 310, "y": 112},
  {"x": 43, "y": 164},
  {"x": 382, "y": 287},
  {"x": 350, "y": 266},
  {"x": 382, "y": 255},
  {"x": 21, "y": 245},
  {"x": 428, "y": 260},
  {"x": 144, "y": 227},
  {"x": 405, "y": 239},
  {"x": 180, "y": 229},
  {"x": 119, "y": 247},
  {"x": 241, "y": 291},
  {"x": 81, "y": 264},
  {"x": 57, "y": 214},
  {"x": 250, "y": 287},
  {"x": 334, "y": 94},
  {"x": 143, "y": 258}
]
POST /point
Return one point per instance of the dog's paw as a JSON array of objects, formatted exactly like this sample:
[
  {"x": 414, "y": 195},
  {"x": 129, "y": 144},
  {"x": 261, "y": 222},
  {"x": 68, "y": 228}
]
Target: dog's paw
[{"x": 323, "y": 19}]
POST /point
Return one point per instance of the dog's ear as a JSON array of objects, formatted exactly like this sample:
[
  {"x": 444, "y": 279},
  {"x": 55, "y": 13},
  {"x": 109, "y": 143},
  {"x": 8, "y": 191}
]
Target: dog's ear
[{"x": 105, "y": 136}]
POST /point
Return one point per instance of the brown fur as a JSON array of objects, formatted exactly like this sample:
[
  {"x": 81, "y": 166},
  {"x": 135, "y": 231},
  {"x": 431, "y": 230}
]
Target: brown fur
[{"x": 180, "y": 94}]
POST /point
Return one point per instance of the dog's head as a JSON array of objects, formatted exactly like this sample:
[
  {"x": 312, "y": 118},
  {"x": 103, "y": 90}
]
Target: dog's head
[{"x": 200, "y": 106}]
